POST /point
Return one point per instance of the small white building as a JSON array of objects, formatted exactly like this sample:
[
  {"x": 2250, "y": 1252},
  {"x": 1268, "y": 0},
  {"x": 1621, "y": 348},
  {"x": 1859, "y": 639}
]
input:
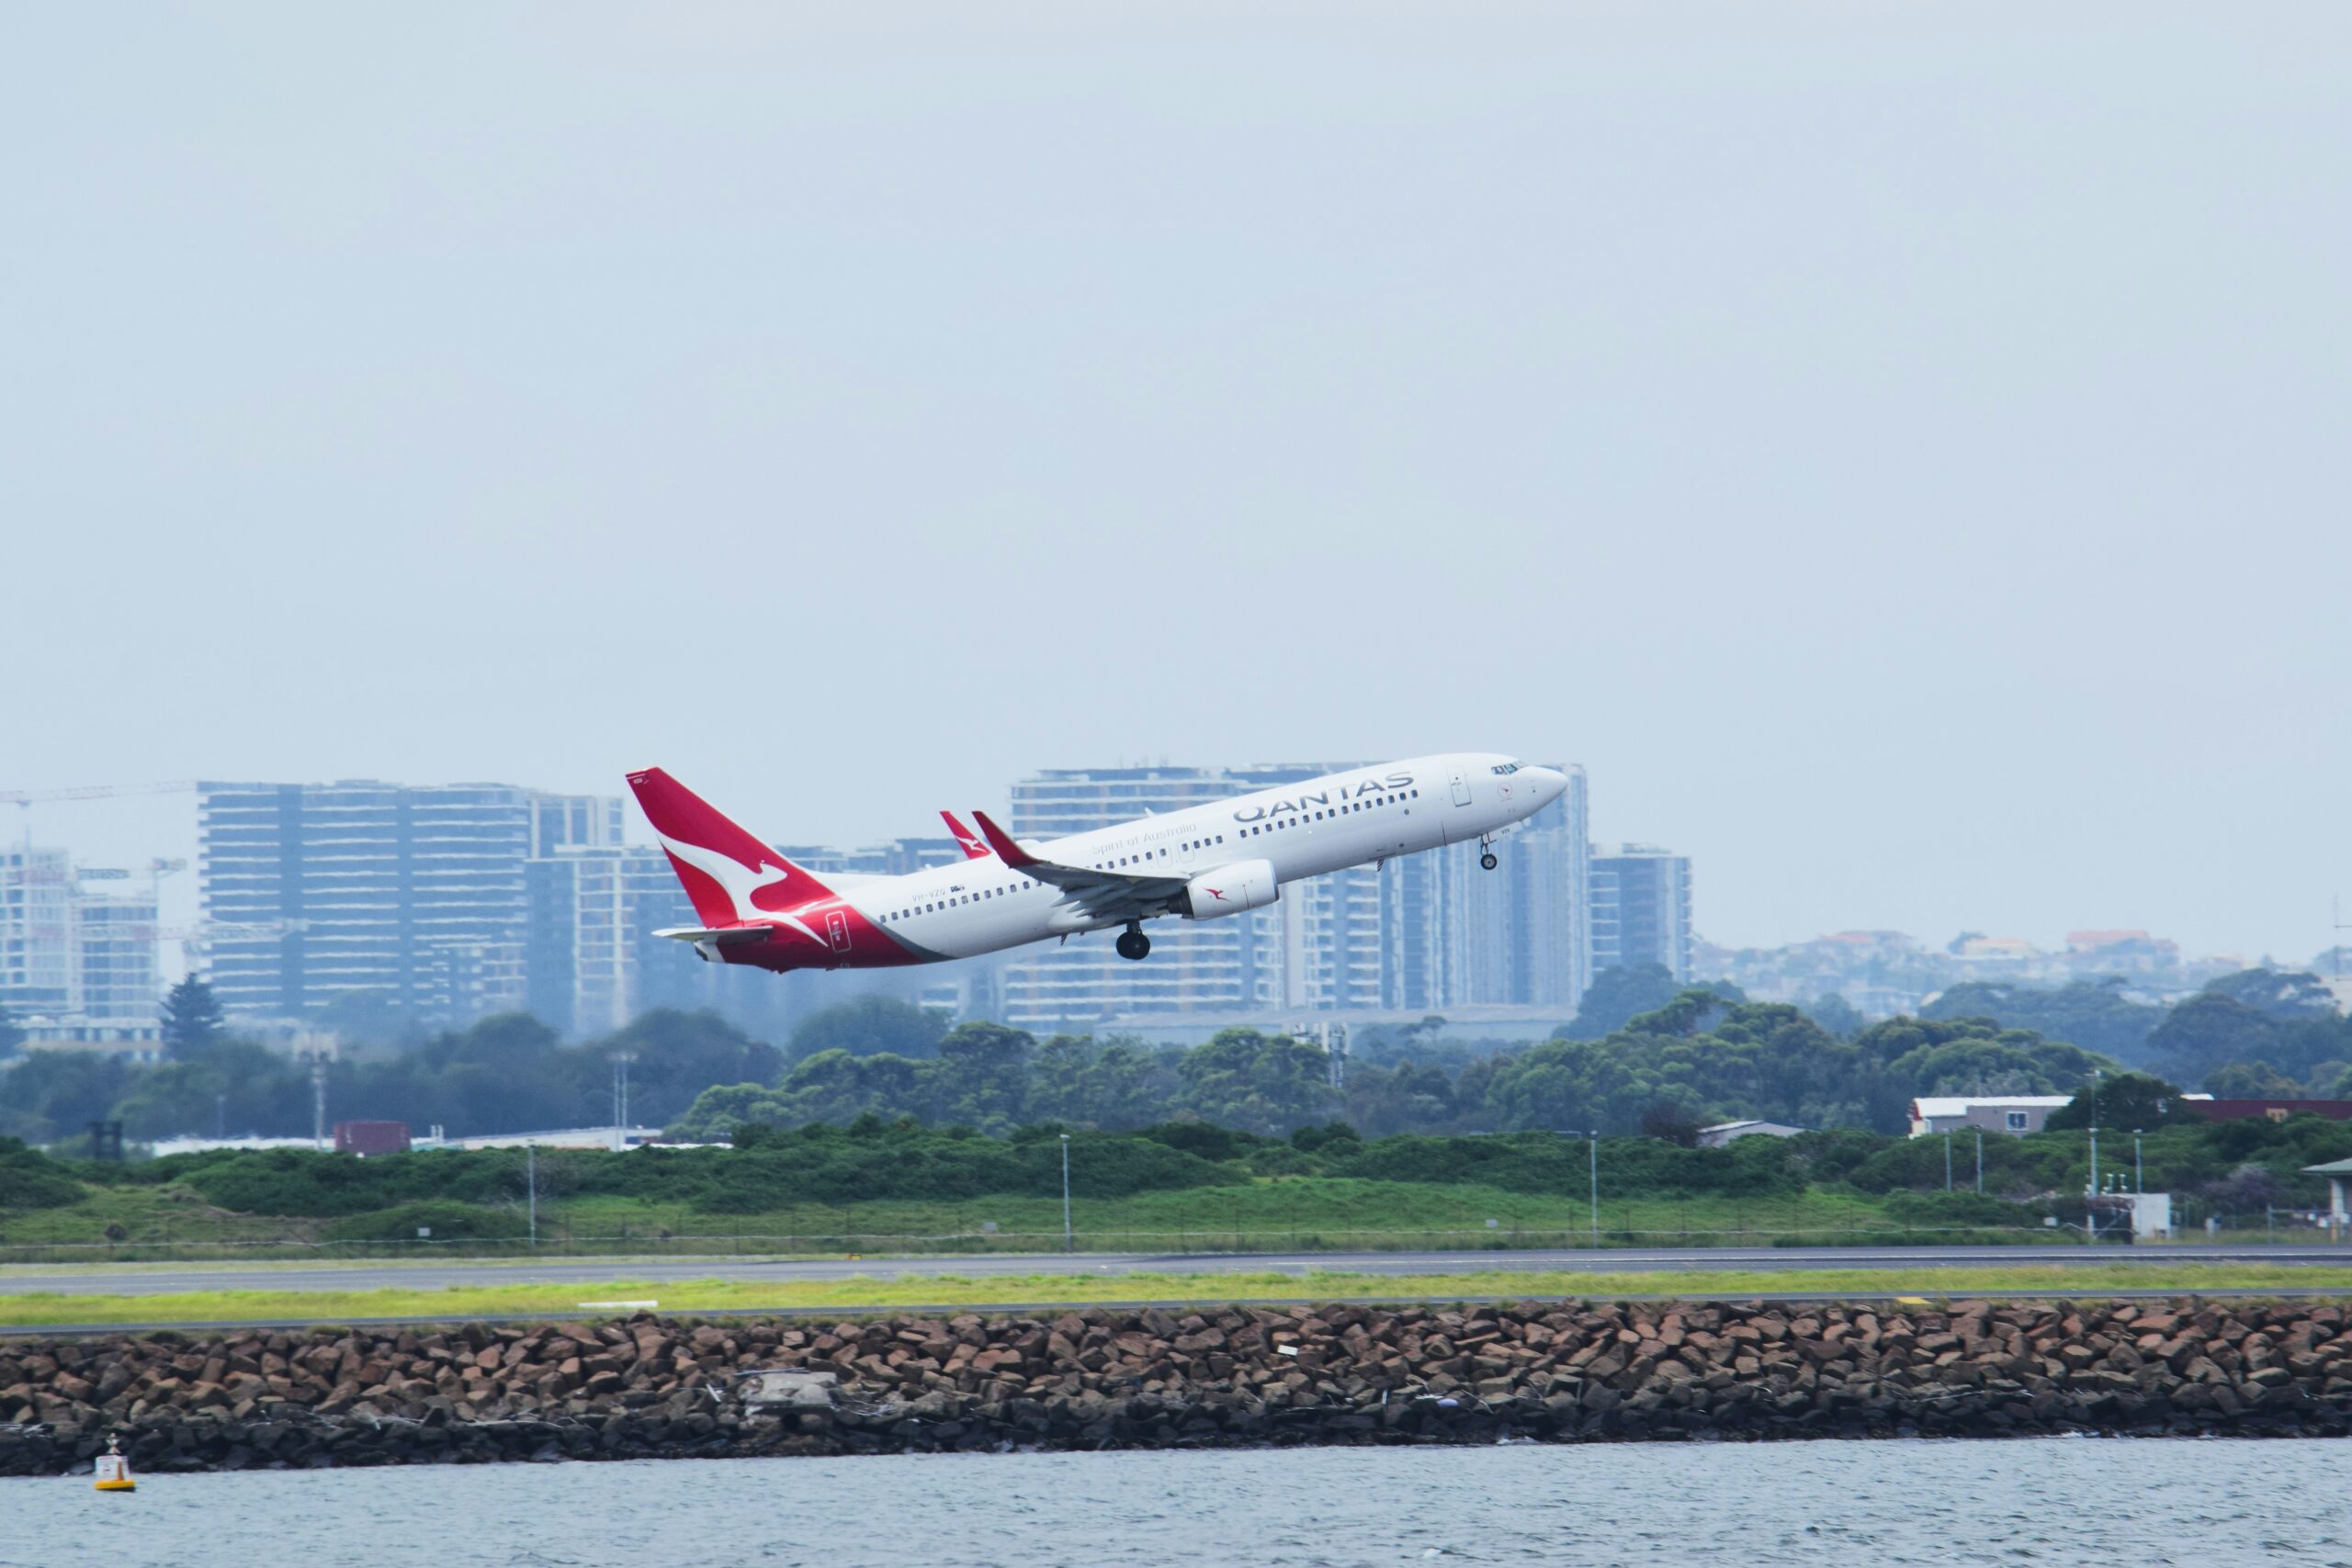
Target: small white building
[
  {"x": 2151, "y": 1217},
  {"x": 193, "y": 1146},
  {"x": 1722, "y": 1132},
  {"x": 560, "y": 1138},
  {"x": 2339, "y": 1211},
  {"x": 2019, "y": 1113}
]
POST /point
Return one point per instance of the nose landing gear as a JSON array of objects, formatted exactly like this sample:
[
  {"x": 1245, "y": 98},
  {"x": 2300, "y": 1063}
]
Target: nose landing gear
[
  {"x": 1487, "y": 851},
  {"x": 1133, "y": 943}
]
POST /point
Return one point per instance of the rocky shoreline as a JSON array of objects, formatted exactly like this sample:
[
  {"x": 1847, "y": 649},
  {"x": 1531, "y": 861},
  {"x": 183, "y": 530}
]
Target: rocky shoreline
[{"x": 1572, "y": 1371}]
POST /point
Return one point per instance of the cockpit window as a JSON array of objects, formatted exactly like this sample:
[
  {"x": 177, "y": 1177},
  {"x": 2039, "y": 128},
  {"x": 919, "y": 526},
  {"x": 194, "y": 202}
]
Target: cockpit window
[{"x": 1509, "y": 767}]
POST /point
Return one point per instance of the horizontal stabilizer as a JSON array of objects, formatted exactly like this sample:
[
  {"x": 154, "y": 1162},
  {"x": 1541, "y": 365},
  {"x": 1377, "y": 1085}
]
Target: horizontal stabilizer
[{"x": 724, "y": 935}]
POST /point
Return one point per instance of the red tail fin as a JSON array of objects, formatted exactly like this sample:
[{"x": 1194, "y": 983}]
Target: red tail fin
[
  {"x": 975, "y": 847},
  {"x": 730, "y": 875}
]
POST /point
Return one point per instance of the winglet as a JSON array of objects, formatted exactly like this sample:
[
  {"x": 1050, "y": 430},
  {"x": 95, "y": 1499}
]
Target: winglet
[
  {"x": 1000, "y": 840},
  {"x": 974, "y": 847}
]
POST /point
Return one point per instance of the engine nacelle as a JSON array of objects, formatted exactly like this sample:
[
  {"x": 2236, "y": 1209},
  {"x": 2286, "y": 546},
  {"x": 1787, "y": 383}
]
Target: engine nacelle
[{"x": 1229, "y": 891}]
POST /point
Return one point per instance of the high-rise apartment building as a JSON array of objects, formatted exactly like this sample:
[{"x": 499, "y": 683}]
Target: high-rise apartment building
[
  {"x": 1459, "y": 935},
  {"x": 1641, "y": 908},
  {"x": 1193, "y": 965},
  {"x": 118, "y": 984},
  {"x": 315, "y": 891},
  {"x": 36, "y": 930},
  {"x": 1421, "y": 932},
  {"x": 78, "y": 960},
  {"x": 593, "y": 962}
]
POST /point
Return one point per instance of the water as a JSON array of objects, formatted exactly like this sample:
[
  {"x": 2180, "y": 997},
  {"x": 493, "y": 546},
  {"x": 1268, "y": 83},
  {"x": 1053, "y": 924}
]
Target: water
[{"x": 2023, "y": 1502}]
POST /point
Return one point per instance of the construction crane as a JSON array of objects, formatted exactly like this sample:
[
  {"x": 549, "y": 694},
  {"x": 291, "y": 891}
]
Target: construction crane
[
  {"x": 28, "y": 798},
  {"x": 205, "y": 931},
  {"x": 32, "y": 798},
  {"x": 195, "y": 939}
]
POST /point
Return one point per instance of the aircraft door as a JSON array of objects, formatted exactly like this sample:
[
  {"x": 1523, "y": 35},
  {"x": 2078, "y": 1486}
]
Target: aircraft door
[
  {"x": 1461, "y": 781},
  {"x": 837, "y": 933}
]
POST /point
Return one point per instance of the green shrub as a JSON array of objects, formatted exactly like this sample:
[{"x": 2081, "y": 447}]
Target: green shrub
[
  {"x": 30, "y": 1179},
  {"x": 1946, "y": 1209},
  {"x": 1281, "y": 1159}
]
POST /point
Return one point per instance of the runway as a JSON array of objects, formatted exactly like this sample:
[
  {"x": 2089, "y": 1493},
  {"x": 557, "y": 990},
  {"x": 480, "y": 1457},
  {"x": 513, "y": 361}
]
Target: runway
[{"x": 165, "y": 1279}]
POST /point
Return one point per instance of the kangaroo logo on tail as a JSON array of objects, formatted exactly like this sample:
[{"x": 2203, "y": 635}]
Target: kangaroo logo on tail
[{"x": 731, "y": 876}]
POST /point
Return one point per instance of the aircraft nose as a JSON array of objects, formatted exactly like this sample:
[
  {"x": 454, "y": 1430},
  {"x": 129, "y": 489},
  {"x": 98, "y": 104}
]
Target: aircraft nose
[{"x": 1552, "y": 781}]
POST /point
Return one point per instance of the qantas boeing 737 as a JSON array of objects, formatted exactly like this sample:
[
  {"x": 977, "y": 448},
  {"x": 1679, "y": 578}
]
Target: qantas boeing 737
[{"x": 758, "y": 908}]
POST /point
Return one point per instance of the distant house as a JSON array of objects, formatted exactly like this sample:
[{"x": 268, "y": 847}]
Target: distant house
[
  {"x": 2019, "y": 1114},
  {"x": 2274, "y": 1110},
  {"x": 2339, "y": 1174},
  {"x": 1722, "y": 1132}
]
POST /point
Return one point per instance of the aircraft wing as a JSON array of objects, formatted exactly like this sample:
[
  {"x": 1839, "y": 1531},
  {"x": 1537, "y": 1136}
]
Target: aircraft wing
[{"x": 1103, "y": 894}]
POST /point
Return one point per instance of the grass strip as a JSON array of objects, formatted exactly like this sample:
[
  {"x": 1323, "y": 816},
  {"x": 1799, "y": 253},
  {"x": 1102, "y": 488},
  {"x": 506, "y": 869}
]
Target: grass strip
[{"x": 457, "y": 1303}]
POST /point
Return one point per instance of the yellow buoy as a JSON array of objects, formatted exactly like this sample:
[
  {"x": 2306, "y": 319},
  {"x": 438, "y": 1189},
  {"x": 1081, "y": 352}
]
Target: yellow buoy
[{"x": 114, "y": 1469}]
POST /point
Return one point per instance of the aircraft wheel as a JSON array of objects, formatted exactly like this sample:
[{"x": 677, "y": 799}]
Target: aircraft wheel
[
  {"x": 1134, "y": 944},
  {"x": 1488, "y": 860}
]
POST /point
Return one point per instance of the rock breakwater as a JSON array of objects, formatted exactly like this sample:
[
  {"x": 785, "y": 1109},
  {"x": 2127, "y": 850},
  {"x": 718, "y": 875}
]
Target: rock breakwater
[{"x": 1118, "y": 1378}]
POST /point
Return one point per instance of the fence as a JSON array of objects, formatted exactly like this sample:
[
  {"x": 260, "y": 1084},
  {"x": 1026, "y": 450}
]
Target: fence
[{"x": 1173, "y": 1244}]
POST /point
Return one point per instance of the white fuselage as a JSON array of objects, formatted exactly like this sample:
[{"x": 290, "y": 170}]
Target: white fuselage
[{"x": 1356, "y": 817}]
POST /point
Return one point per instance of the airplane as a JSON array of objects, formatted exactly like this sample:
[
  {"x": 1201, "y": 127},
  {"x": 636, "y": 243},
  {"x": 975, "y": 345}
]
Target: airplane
[{"x": 1202, "y": 862}]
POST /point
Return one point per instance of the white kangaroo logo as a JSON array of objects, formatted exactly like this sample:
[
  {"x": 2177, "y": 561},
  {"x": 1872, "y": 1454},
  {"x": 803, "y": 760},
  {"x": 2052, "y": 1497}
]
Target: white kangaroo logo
[{"x": 740, "y": 882}]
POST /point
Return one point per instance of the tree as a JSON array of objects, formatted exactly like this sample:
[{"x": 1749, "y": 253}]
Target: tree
[
  {"x": 1617, "y": 994},
  {"x": 866, "y": 1026},
  {"x": 2275, "y": 994},
  {"x": 981, "y": 1077},
  {"x": 1970, "y": 1055},
  {"x": 1673, "y": 1122},
  {"x": 2127, "y": 1100},
  {"x": 1836, "y": 1016},
  {"x": 679, "y": 1055},
  {"x": 1113, "y": 1083},
  {"x": 1257, "y": 1082},
  {"x": 52, "y": 1094},
  {"x": 2209, "y": 1029},
  {"x": 1407, "y": 1098},
  {"x": 2251, "y": 1080},
  {"x": 2093, "y": 1014},
  {"x": 191, "y": 1017}
]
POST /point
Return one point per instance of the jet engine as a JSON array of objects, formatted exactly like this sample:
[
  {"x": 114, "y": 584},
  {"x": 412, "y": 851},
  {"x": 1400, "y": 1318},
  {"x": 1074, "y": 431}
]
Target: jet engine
[{"x": 1229, "y": 891}]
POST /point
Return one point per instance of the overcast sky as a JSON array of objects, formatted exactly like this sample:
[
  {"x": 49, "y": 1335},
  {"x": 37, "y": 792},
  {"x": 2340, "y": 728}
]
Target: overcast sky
[{"x": 1901, "y": 451}]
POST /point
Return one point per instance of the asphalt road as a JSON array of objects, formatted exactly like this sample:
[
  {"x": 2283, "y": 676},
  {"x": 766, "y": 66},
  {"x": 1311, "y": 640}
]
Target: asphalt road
[{"x": 591, "y": 1274}]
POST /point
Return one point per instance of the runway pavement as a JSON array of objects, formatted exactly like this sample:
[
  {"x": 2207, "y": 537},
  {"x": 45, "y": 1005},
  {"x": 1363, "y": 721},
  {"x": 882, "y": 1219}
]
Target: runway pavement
[{"x": 138, "y": 1279}]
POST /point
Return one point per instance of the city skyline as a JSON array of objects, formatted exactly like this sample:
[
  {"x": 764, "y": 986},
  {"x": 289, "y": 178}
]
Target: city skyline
[
  {"x": 123, "y": 832},
  {"x": 411, "y": 888}
]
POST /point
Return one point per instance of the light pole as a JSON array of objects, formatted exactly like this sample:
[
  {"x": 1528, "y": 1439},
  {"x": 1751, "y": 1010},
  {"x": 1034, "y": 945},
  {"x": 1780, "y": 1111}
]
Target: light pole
[
  {"x": 531, "y": 1187},
  {"x": 621, "y": 1059},
  {"x": 1980, "y": 1159},
  {"x": 1947, "y": 1162},
  {"x": 2139, "y": 1171},
  {"x": 1594, "y": 1188},
  {"x": 2090, "y": 1205},
  {"x": 1068, "y": 1241}
]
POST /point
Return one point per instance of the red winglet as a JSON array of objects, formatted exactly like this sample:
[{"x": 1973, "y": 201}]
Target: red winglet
[
  {"x": 1000, "y": 840},
  {"x": 973, "y": 848}
]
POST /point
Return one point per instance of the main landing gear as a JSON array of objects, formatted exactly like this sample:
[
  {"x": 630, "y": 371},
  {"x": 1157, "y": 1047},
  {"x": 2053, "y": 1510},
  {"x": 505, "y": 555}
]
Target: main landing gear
[
  {"x": 1133, "y": 943},
  {"x": 1487, "y": 851}
]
